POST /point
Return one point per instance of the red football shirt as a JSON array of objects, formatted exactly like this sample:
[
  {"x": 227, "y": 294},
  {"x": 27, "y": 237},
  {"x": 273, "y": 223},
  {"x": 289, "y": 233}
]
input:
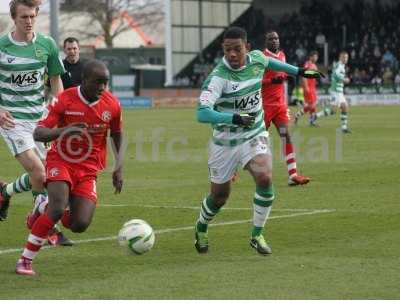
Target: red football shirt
[
  {"x": 272, "y": 93},
  {"x": 310, "y": 84},
  {"x": 89, "y": 149}
]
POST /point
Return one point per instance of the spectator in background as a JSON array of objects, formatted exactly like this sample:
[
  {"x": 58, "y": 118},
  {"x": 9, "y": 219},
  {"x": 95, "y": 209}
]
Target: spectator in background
[
  {"x": 364, "y": 77},
  {"x": 388, "y": 59},
  {"x": 377, "y": 80},
  {"x": 356, "y": 77},
  {"x": 377, "y": 52},
  {"x": 301, "y": 53},
  {"x": 320, "y": 39},
  {"x": 397, "y": 79},
  {"x": 387, "y": 76},
  {"x": 72, "y": 63}
]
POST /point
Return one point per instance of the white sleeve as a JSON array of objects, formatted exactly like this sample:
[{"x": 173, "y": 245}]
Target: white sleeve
[{"x": 212, "y": 91}]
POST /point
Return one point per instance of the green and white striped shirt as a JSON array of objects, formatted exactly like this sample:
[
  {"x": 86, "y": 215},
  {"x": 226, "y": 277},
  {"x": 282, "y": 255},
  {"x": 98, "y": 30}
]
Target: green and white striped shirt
[
  {"x": 337, "y": 78},
  {"x": 236, "y": 91},
  {"x": 22, "y": 69}
]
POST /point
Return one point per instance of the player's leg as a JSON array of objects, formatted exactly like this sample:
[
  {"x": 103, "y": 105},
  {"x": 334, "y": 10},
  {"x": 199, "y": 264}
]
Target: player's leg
[
  {"x": 34, "y": 178},
  {"x": 343, "y": 115},
  {"x": 210, "y": 207},
  {"x": 281, "y": 122},
  {"x": 300, "y": 112},
  {"x": 258, "y": 161},
  {"x": 21, "y": 145},
  {"x": 80, "y": 214},
  {"x": 82, "y": 204},
  {"x": 58, "y": 201},
  {"x": 334, "y": 103},
  {"x": 222, "y": 165},
  {"x": 326, "y": 109},
  {"x": 7, "y": 190},
  {"x": 313, "y": 113}
]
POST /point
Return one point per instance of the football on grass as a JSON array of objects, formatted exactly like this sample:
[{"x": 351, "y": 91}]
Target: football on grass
[{"x": 137, "y": 235}]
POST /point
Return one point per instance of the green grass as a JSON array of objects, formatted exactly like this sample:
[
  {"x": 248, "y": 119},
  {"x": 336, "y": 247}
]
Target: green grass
[{"x": 350, "y": 253}]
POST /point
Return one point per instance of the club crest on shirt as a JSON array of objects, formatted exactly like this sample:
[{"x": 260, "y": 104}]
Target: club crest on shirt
[
  {"x": 256, "y": 70},
  {"x": 39, "y": 53},
  {"x": 235, "y": 86},
  {"x": 53, "y": 172},
  {"x": 106, "y": 116}
]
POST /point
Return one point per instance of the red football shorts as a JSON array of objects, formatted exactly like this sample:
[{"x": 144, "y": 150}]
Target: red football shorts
[
  {"x": 310, "y": 101},
  {"x": 279, "y": 115},
  {"x": 82, "y": 183}
]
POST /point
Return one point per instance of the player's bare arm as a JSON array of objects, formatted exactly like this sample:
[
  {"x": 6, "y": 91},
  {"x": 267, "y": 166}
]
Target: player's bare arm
[
  {"x": 44, "y": 134},
  {"x": 56, "y": 85},
  {"x": 116, "y": 138}
]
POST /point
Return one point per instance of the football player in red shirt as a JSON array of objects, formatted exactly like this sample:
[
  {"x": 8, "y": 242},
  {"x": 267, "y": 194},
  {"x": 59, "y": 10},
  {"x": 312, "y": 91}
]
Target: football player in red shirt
[
  {"x": 275, "y": 107},
  {"x": 77, "y": 122},
  {"x": 310, "y": 91}
]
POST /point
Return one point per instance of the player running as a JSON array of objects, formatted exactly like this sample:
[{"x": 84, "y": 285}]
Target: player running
[
  {"x": 275, "y": 107},
  {"x": 310, "y": 92},
  {"x": 231, "y": 102},
  {"x": 24, "y": 57},
  {"x": 338, "y": 80},
  {"x": 77, "y": 122}
]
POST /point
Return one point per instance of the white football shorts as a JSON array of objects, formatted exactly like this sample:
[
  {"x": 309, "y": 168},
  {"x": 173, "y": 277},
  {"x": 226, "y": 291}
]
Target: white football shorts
[
  {"x": 338, "y": 98},
  {"x": 20, "y": 138},
  {"x": 223, "y": 161}
]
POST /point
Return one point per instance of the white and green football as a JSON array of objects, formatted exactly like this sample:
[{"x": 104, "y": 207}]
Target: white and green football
[{"x": 137, "y": 235}]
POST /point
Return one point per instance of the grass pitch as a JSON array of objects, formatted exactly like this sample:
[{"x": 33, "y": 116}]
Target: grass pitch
[{"x": 337, "y": 238}]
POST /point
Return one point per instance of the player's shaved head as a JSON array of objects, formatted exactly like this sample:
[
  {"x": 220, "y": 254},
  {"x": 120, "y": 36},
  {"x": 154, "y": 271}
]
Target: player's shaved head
[
  {"x": 92, "y": 66},
  {"x": 95, "y": 77}
]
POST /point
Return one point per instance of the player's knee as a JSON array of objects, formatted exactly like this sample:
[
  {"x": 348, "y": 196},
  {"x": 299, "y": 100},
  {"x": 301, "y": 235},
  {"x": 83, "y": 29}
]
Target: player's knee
[
  {"x": 55, "y": 212},
  {"x": 79, "y": 226},
  {"x": 264, "y": 179},
  {"x": 37, "y": 172},
  {"x": 40, "y": 175}
]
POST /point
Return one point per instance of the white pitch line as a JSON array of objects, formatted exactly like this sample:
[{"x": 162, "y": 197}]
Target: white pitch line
[
  {"x": 197, "y": 207},
  {"x": 168, "y": 230}
]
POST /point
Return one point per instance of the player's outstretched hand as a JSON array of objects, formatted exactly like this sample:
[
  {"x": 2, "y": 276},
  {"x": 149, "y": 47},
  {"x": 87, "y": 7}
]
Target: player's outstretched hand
[
  {"x": 243, "y": 120},
  {"x": 308, "y": 73},
  {"x": 117, "y": 180},
  {"x": 6, "y": 120}
]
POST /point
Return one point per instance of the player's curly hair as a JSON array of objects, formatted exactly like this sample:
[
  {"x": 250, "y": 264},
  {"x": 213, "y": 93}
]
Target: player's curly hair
[
  {"x": 29, "y": 3},
  {"x": 235, "y": 32}
]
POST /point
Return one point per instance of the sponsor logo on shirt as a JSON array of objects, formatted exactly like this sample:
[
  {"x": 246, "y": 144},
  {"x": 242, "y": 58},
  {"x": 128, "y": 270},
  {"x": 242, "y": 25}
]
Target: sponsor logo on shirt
[
  {"x": 74, "y": 113},
  {"x": 10, "y": 59},
  {"x": 25, "y": 79},
  {"x": 248, "y": 102}
]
